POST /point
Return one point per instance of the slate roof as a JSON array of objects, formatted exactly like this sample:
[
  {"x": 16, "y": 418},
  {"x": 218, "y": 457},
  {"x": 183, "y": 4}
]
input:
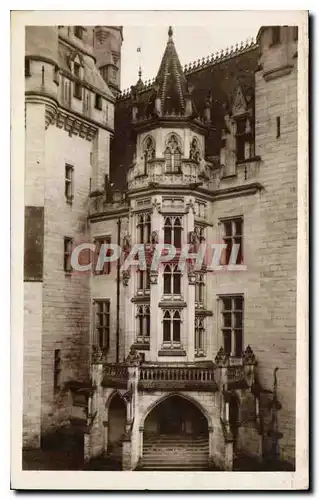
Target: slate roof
[
  {"x": 219, "y": 77},
  {"x": 91, "y": 73},
  {"x": 170, "y": 79}
]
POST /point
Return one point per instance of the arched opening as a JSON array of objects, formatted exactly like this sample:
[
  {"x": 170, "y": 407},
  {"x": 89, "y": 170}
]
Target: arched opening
[
  {"x": 116, "y": 426},
  {"x": 175, "y": 436}
]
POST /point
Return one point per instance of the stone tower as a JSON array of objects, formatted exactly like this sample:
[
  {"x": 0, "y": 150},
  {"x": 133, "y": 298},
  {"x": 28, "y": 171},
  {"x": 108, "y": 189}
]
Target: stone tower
[
  {"x": 276, "y": 144},
  {"x": 107, "y": 50}
]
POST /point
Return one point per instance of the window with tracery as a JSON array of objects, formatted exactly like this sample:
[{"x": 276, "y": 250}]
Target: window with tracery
[
  {"x": 199, "y": 335},
  {"x": 173, "y": 155},
  {"x": 143, "y": 323},
  {"x": 144, "y": 281},
  {"x": 171, "y": 327},
  {"x": 199, "y": 290},
  {"x": 144, "y": 228},
  {"x": 173, "y": 231},
  {"x": 148, "y": 152},
  {"x": 172, "y": 280}
]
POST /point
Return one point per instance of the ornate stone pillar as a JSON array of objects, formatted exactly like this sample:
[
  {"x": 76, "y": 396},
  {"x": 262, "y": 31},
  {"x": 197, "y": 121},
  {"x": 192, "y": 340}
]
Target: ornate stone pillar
[
  {"x": 156, "y": 282},
  {"x": 130, "y": 451}
]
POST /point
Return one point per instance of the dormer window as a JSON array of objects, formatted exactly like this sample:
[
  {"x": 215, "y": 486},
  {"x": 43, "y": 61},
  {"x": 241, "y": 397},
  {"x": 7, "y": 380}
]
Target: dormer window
[
  {"x": 76, "y": 70},
  {"x": 275, "y": 31},
  {"x": 78, "y": 32},
  {"x": 98, "y": 101}
]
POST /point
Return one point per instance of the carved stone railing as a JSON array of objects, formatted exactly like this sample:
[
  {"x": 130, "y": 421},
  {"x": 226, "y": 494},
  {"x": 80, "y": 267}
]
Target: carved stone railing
[
  {"x": 157, "y": 173},
  {"x": 115, "y": 375},
  {"x": 177, "y": 377},
  {"x": 235, "y": 373}
]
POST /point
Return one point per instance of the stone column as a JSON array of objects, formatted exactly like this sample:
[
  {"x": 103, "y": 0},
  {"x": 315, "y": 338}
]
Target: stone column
[
  {"x": 156, "y": 282},
  {"x": 130, "y": 443}
]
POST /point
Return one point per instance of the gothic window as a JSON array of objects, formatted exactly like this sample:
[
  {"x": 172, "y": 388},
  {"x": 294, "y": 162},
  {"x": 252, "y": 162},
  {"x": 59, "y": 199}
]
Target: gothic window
[
  {"x": 102, "y": 312},
  {"x": 199, "y": 290},
  {"x": 194, "y": 152},
  {"x": 173, "y": 155},
  {"x": 144, "y": 228},
  {"x": 199, "y": 335},
  {"x": 172, "y": 280},
  {"x": 173, "y": 231},
  {"x": 77, "y": 90},
  {"x": 101, "y": 250},
  {"x": 143, "y": 323},
  {"x": 233, "y": 234},
  {"x": 232, "y": 324},
  {"x": 148, "y": 152},
  {"x": 144, "y": 281},
  {"x": 171, "y": 327}
]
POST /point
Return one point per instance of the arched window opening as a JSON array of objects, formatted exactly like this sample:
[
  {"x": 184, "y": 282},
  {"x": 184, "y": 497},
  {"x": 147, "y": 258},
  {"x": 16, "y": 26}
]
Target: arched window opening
[
  {"x": 173, "y": 156},
  {"x": 144, "y": 226},
  {"x": 199, "y": 336},
  {"x": 173, "y": 231},
  {"x": 171, "y": 328},
  {"x": 172, "y": 280},
  {"x": 143, "y": 324}
]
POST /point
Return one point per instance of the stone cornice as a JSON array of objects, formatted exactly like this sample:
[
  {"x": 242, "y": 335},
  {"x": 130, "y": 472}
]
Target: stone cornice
[
  {"x": 93, "y": 123},
  {"x": 230, "y": 192},
  {"x": 74, "y": 125},
  {"x": 119, "y": 212},
  {"x": 170, "y": 121}
]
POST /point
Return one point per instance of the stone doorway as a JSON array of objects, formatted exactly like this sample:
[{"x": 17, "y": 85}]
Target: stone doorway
[
  {"x": 116, "y": 427},
  {"x": 175, "y": 436}
]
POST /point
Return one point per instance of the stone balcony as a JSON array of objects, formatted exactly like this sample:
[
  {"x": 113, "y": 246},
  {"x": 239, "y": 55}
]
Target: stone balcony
[
  {"x": 190, "y": 174},
  {"x": 201, "y": 376}
]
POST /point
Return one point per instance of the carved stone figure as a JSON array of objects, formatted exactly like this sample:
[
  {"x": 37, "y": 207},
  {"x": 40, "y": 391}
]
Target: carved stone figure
[{"x": 133, "y": 358}]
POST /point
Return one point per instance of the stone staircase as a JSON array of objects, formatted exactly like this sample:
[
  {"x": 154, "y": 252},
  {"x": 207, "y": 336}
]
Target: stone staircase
[{"x": 169, "y": 452}]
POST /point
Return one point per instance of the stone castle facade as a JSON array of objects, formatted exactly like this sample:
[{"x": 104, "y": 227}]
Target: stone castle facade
[{"x": 136, "y": 363}]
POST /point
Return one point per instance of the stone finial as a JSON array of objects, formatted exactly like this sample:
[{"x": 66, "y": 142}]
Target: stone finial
[
  {"x": 97, "y": 355},
  {"x": 133, "y": 357},
  {"x": 221, "y": 358},
  {"x": 249, "y": 357},
  {"x": 170, "y": 31}
]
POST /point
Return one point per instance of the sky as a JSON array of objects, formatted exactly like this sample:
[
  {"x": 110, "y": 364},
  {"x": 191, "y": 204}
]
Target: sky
[{"x": 191, "y": 43}]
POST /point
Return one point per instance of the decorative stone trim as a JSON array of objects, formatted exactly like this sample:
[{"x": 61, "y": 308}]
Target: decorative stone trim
[
  {"x": 278, "y": 72},
  {"x": 171, "y": 304},
  {"x": 141, "y": 346},
  {"x": 75, "y": 125},
  {"x": 172, "y": 352}
]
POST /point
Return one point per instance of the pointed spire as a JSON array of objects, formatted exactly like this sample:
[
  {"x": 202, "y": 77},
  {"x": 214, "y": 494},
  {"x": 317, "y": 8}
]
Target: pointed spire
[{"x": 172, "y": 84}]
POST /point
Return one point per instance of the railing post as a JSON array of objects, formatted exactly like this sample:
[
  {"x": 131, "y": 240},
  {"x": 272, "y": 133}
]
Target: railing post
[{"x": 249, "y": 362}]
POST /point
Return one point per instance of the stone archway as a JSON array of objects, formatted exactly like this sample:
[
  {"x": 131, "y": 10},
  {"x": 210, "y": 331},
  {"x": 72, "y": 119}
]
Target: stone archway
[
  {"x": 116, "y": 426},
  {"x": 175, "y": 435}
]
